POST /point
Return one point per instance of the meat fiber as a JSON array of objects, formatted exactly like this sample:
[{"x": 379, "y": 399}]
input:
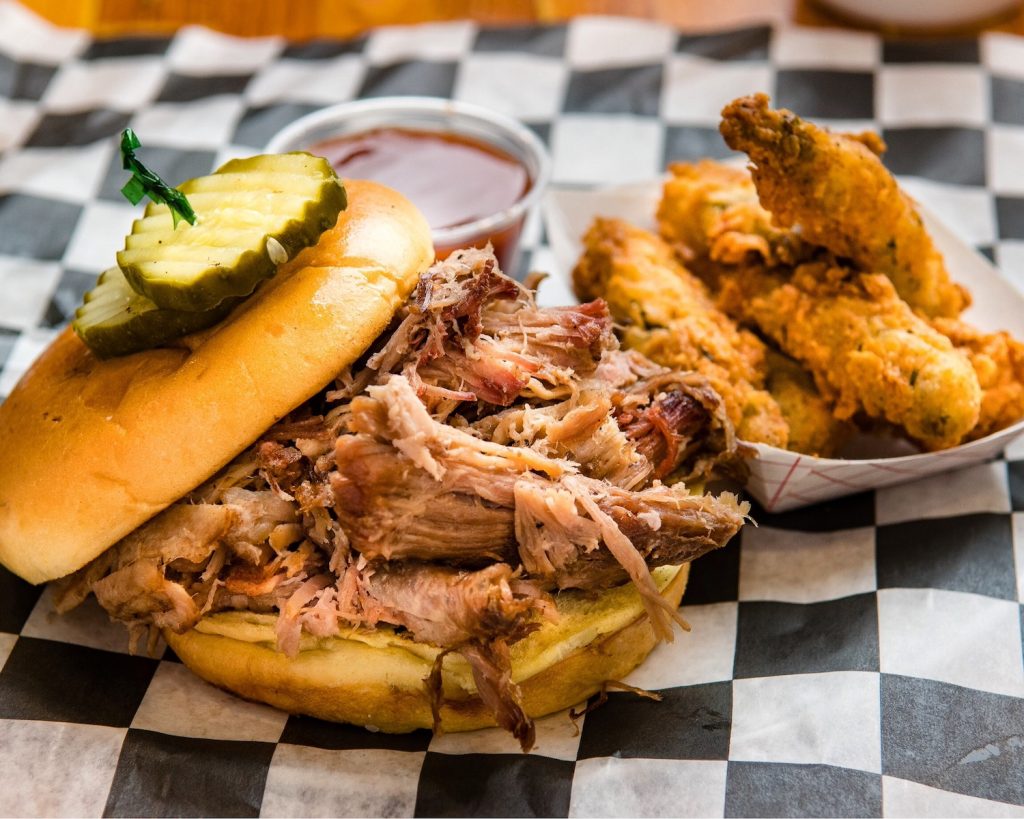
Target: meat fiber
[
  {"x": 471, "y": 334},
  {"x": 393, "y": 508},
  {"x": 437, "y": 459},
  {"x": 182, "y": 534},
  {"x": 448, "y": 607}
]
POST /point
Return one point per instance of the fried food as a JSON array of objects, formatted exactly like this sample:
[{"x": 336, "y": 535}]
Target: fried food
[
  {"x": 710, "y": 214},
  {"x": 998, "y": 361},
  {"x": 866, "y": 349},
  {"x": 671, "y": 318},
  {"x": 813, "y": 428},
  {"x": 711, "y": 211},
  {"x": 836, "y": 189},
  {"x": 820, "y": 252}
]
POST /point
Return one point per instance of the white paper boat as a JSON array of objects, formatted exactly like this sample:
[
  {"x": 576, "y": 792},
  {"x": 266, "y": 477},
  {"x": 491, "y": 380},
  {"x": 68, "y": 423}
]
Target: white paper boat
[{"x": 780, "y": 479}]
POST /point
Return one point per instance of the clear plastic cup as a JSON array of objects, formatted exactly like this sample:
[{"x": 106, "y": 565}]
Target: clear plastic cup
[{"x": 463, "y": 121}]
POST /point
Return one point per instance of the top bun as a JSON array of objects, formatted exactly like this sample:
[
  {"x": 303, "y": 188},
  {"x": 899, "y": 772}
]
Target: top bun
[{"x": 91, "y": 448}]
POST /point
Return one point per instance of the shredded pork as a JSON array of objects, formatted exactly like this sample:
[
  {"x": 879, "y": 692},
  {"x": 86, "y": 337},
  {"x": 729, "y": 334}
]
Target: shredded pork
[{"x": 488, "y": 454}]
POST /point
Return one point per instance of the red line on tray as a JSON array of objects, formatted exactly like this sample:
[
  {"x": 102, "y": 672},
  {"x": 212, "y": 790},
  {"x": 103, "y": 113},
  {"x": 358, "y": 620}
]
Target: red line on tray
[
  {"x": 772, "y": 463},
  {"x": 782, "y": 485},
  {"x": 836, "y": 481}
]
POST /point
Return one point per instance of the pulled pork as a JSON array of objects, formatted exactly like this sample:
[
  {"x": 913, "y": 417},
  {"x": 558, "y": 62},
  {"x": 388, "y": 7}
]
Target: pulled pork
[{"x": 555, "y": 459}]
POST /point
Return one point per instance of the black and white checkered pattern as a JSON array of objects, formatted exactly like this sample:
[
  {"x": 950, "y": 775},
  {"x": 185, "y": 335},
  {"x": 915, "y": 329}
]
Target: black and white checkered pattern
[{"x": 858, "y": 658}]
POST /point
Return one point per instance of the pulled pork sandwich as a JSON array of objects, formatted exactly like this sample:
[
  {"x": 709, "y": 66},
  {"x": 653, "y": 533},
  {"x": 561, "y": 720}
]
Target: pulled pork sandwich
[{"x": 455, "y": 509}]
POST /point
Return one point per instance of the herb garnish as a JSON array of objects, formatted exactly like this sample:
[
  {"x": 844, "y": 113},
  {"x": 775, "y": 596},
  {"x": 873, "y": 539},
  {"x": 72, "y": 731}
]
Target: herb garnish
[{"x": 146, "y": 183}]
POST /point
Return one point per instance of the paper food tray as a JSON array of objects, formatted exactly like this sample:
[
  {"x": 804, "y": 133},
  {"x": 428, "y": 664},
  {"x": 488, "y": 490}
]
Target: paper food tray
[{"x": 780, "y": 479}]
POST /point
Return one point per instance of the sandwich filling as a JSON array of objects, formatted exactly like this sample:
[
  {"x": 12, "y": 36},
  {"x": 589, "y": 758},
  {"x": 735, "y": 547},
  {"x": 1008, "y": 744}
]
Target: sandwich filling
[{"x": 487, "y": 455}]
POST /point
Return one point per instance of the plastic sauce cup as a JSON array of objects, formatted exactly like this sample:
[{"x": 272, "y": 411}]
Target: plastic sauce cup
[{"x": 475, "y": 174}]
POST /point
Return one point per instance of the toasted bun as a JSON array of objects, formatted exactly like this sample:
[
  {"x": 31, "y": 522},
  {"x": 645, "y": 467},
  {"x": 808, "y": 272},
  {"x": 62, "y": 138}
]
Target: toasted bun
[
  {"x": 91, "y": 449},
  {"x": 376, "y": 677}
]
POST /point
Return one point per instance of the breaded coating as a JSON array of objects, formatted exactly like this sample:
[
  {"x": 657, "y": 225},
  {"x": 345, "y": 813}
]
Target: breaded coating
[
  {"x": 867, "y": 350},
  {"x": 709, "y": 210},
  {"x": 753, "y": 411},
  {"x": 813, "y": 428},
  {"x": 710, "y": 213},
  {"x": 998, "y": 361},
  {"x": 671, "y": 318},
  {"x": 836, "y": 189}
]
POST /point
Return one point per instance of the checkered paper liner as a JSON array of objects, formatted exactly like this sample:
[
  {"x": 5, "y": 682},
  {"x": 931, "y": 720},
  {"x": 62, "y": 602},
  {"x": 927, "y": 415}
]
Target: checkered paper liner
[{"x": 860, "y": 657}]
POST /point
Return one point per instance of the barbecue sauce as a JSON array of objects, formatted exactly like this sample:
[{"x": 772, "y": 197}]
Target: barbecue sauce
[{"x": 454, "y": 180}]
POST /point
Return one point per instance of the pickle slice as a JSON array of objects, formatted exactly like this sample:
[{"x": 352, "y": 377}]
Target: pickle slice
[
  {"x": 251, "y": 215},
  {"x": 115, "y": 320}
]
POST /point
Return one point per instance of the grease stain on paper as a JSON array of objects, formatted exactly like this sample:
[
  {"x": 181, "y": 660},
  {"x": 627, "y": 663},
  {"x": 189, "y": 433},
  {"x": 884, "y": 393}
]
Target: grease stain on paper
[{"x": 993, "y": 749}]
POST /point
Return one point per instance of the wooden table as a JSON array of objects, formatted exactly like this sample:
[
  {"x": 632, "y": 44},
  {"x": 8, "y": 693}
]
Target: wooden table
[{"x": 302, "y": 19}]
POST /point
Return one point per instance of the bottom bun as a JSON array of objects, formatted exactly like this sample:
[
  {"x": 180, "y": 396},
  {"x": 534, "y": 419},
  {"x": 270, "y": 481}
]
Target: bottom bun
[{"x": 375, "y": 677}]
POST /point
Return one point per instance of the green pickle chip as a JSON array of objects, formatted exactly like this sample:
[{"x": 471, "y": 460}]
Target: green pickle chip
[
  {"x": 175, "y": 278},
  {"x": 115, "y": 320},
  {"x": 251, "y": 216}
]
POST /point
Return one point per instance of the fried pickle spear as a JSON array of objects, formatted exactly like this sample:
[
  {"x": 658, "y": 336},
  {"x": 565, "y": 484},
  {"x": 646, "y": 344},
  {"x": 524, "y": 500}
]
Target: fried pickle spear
[
  {"x": 998, "y": 361},
  {"x": 837, "y": 190},
  {"x": 813, "y": 428},
  {"x": 671, "y": 318},
  {"x": 867, "y": 350},
  {"x": 711, "y": 211}
]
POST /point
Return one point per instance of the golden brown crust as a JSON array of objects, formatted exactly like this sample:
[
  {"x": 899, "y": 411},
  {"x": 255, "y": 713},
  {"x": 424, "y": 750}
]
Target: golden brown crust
[
  {"x": 835, "y": 187},
  {"x": 383, "y": 685},
  {"x": 91, "y": 449},
  {"x": 670, "y": 317}
]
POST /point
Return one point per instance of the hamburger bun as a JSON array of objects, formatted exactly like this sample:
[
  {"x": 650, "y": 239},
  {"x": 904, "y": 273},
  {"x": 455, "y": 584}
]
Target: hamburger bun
[
  {"x": 375, "y": 678},
  {"x": 94, "y": 448}
]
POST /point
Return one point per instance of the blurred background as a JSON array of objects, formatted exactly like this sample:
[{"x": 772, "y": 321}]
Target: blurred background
[{"x": 302, "y": 19}]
